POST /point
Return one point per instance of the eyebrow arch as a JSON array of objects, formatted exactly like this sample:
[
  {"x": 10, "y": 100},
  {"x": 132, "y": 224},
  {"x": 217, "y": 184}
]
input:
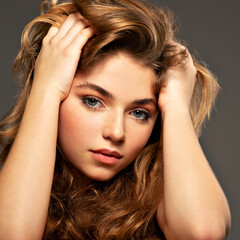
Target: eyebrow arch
[
  {"x": 145, "y": 101},
  {"x": 97, "y": 88},
  {"x": 109, "y": 95}
]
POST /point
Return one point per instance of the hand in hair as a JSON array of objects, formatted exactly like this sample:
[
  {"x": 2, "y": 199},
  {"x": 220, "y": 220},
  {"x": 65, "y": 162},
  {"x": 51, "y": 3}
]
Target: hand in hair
[
  {"x": 193, "y": 205},
  {"x": 59, "y": 56},
  {"x": 26, "y": 177},
  {"x": 179, "y": 84}
]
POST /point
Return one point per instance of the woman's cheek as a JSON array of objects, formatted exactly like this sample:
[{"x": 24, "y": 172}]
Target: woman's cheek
[
  {"x": 138, "y": 139},
  {"x": 77, "y": 124}
]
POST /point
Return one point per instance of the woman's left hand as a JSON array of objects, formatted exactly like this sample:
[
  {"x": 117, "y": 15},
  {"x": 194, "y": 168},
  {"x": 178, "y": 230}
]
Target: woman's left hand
[
  {"x": 193, "y": 205},
  {"x": 179, "y": 85}
]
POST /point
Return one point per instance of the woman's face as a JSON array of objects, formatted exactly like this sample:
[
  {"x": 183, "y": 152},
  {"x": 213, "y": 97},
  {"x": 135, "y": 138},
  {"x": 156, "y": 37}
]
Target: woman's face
[{"x": 108, "y": 117}]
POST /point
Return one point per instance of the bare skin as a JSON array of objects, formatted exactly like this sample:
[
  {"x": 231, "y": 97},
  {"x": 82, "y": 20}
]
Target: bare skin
[
  {"x": 26, "y": 177},
  {"x": 193, "y": 206}
]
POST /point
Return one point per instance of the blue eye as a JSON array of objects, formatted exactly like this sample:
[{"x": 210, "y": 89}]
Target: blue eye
[
  {"x": 141, "y": 115},
  {"x": 91, "y": 102}
]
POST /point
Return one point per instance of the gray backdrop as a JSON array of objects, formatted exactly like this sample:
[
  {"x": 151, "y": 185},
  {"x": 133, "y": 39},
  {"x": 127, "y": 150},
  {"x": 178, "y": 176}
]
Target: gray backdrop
[{"x": 211, "y": 27}]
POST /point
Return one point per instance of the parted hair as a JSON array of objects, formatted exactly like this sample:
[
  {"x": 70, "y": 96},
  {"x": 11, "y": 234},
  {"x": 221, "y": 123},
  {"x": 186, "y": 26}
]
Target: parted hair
[{"x": 125, "y": 206}]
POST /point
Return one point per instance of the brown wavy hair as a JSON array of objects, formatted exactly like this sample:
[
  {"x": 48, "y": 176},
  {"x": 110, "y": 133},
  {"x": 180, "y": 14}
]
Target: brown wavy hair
[{"x": 125, "y": 206}]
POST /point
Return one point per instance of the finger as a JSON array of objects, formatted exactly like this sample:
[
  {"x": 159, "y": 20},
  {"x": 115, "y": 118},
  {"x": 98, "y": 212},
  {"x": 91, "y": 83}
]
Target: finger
[
  {"x": 72, "y": 33},
  {"x": 51, "y": 33},
  {"x": 81, "y": 39},
  {"x": 70, "y": 21}
]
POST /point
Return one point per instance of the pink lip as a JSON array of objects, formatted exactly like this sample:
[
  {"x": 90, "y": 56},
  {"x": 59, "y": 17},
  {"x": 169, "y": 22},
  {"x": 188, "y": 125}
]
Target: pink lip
[
  {"x": 106, "y": 156},
  {"x": 108, "y": 152}
]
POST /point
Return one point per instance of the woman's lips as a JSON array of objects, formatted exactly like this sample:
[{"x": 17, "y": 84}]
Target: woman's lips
[{"x": 106, "y": 156}]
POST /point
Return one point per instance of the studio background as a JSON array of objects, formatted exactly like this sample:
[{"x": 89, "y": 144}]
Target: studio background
[{"x": 212, "y": 29}]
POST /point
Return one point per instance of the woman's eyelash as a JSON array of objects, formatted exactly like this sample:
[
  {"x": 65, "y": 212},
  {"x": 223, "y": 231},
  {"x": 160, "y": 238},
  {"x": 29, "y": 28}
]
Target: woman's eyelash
[
  {"x": 91, "y": 102},
  {"x": 94, "y": 103},
  {"x": 141, "y": 115}
]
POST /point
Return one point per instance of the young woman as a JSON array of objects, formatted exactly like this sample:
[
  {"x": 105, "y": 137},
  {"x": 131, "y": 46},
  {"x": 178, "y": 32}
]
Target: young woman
[{"x": 102, "y": 142}]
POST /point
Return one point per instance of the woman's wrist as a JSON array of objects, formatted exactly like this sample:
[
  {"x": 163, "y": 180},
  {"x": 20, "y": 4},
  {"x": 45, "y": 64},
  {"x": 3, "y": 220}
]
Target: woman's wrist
[
  {"x": 175, "y": 110},
  {"x": 50, "y": 94}
]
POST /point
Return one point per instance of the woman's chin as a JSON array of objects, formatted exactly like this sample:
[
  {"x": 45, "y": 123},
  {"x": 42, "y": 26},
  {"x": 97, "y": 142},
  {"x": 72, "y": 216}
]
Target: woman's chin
[{"x": 102, "y": 177}]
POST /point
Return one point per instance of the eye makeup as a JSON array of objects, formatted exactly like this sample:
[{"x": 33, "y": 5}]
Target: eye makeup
[{"x": 91, "y": 102}]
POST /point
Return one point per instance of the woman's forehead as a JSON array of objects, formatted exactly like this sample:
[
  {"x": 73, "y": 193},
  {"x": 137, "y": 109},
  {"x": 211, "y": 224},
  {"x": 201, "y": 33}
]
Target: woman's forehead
[{"x": 120, "y": 72}]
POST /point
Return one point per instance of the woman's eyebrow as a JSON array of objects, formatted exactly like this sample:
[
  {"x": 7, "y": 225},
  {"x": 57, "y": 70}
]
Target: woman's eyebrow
[
  {"x": 109, "y": 95},
  {"x": 145, "y": 101},
  {"x": 97, "y": 88}
]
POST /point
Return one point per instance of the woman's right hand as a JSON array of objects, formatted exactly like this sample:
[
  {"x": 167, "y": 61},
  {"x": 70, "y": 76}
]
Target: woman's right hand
[
  {"x": 27, "y": 174},
  {"x": 57, "y": 61}
]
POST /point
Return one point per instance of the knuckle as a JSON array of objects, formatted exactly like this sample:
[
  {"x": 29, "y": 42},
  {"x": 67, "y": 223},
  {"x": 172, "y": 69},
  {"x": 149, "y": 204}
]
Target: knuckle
[
  {"x": 53, "y": 41},
  {"x": 71, "y": 17},
  {"x": 60, "y": 45},
  {"x": 79, "y": 24},
  {"x": 45, "y": 41},
  {"x": 83, "y": 33},
  {"x": 87, "y": 32}
]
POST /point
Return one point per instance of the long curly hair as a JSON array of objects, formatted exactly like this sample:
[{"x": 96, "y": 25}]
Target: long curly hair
[{"x": 125, "y": 206}]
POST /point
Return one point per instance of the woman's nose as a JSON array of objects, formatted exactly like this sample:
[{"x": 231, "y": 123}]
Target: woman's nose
[{"x": 114, "y": 128}]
